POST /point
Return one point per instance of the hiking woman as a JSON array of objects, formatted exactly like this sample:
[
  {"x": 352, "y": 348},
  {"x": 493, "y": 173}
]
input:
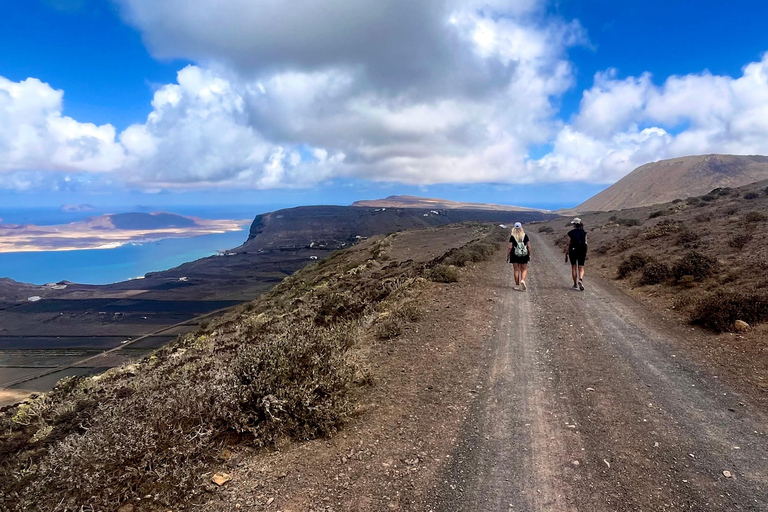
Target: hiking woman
[
  {"x": 519, "y": 254},
  {"x": 577, "y": 252}
]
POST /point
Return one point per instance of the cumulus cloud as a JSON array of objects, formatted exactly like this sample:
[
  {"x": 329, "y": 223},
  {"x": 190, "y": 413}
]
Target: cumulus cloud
[
  {"x": 624, "y": 123},
  {"x": 34, "y": 135},
  {"x": 420, "y": 92}
]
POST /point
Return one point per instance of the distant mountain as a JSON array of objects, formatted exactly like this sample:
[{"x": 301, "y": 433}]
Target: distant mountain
[
  {"x": 678, "y": 178},
  {"x": 137, "y": 220},
  {"x": 424, "y": 202},
  {"x": 332, "y": 227}
]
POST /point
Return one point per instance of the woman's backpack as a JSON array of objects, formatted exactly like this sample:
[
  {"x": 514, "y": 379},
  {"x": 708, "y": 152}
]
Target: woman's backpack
[{"x": 520, "y": 249}]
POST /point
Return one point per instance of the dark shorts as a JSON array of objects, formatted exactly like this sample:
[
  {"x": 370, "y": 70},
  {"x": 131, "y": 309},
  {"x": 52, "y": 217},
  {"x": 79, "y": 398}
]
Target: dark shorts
[
  {"x": 523, "y": 260},
  {"x": 577, "y": 257}
]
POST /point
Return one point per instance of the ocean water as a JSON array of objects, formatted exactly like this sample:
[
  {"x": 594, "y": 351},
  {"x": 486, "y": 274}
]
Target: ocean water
[{"x": 103, "y": 266}]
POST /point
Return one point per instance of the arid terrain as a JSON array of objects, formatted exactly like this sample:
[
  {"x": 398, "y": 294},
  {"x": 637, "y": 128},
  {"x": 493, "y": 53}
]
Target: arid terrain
[{"x": 678, "y": 178}]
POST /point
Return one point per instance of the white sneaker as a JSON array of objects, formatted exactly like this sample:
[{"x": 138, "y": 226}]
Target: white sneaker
[
  {"x": 522, "y": 285},
  {"x": 516, "y": 288}
]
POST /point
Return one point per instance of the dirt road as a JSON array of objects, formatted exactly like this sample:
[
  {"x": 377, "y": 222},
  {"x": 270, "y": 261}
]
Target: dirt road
[{"x": 590, "y": 404}]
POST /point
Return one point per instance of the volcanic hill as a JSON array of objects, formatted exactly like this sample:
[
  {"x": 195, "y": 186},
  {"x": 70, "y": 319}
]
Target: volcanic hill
[{"x": 678, "y": 178}]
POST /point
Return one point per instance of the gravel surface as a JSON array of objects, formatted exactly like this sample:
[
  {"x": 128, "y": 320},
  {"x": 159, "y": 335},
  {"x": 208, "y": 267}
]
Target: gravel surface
[{"x": 588, "y": 403}]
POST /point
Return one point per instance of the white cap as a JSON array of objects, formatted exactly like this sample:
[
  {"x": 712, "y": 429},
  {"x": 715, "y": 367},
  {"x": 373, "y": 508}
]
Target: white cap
[
  {"x": 518, "y": 225},
  {"x": 576, "y": 221}
]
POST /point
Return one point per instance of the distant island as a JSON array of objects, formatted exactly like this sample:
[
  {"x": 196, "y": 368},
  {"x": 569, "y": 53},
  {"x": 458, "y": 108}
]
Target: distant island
[
  {"x": 108, "y": 231},
  {"x": 76, "y": 208}
]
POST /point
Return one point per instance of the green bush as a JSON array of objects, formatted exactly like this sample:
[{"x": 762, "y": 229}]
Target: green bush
[
  {"x": 655, "y": 272},
  {"x": 719, "y": 311},
  {"x": 695, "y": 264},
  {"x": 633, "y": 262}
]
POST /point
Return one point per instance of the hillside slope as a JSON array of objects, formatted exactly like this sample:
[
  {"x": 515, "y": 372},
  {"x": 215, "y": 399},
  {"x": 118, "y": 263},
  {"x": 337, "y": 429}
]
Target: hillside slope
[
  {"x": 339, "y": 226},
  {"x": 678, "y": 178}
]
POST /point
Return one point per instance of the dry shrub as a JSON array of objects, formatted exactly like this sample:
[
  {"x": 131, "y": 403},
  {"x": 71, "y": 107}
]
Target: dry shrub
[
  {"x": 546, "y": 229},
  {"x": 730, "y": 210},
  {"x": 751, "y": 195},
  {"x": 663, "y": 228},
  {"x": 443, "y": 273},
  {"x": 655, "y": 272},
  {"x": 756, "y": 217},
  {"x": 720, "y": 310},
  {"x": 687, "y": 238},
  {"x": 623, "y": 245},
  {"x": 633, "y": 262},
  {"x": 657, "y": 213},
  {"x": 695, "y": 264},
  {"x": 338, "y": 306},
  {"x": 393, "y": 323},
  {"x": 473, "y": 252},
  {"x": 708, "y": 198},
  {"x": 740, "y": 241},
  {"x": 629, "y": 222},
  {"x": 703, "y": 217},
  {"x": 693, "y": 201}
]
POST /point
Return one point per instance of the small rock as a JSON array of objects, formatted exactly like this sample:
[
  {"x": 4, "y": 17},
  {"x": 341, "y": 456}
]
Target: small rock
[
  {"x": 225, "y": 454},
  {"x": 590, "y": 389},
  {"x": 270, "y": 500},
  {"x": 727, "y": 474},
  {"x": 575, "y": 463},
  {"x": 741, "y": 326},
  {"x": 221, "y": 478}
]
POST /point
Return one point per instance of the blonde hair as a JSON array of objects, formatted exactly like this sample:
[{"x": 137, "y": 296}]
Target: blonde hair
[{"x": 519, "y": 234}]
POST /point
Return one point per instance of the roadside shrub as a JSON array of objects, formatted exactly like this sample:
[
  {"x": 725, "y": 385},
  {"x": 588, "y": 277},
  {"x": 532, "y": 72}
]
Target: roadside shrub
[
  {"x": 765, "y": 191},
  {"x": 687, "y": 281},
  {"x": 633, "y": 262},
  {"x": 687, "y": 238},
  {"x": 546, "y": 229},
  {"x": 393, "y": 323},
  {"x": 623, "y": 245},
  {"x": 629, "y": 222},
  {"x": 473, "y": 252},
  {"x": 719, "y": 311},
  {"x": 693, "y": 201},
  {"x": 663, "y": 228},
  {"x": 703, "y": 217},
  {"x": 751, "y": 195},
  {"x": 740, "y": 241},
  {"x": 655, "y": 272},
  {"x": 677, "y": 201},
  {"x": 657, "y": 213},
  {"x": 730, "y": 210},
  {"x": 708, "y": 198},
  {"x": 336, "y": 306},
  {"x": 443, "y": 273},
  {"x": 695, "y": 264},
  {"x": 756, "y": 217},
  {"x": 725, "y": 191}
]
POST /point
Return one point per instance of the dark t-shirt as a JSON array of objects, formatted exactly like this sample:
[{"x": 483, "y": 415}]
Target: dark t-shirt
[
  {"x": 513, "y": 241},
  {"x": 578, "y": 240}
]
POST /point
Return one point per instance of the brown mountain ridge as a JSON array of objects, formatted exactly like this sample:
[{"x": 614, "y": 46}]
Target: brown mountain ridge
[{"x": 678, "y": 178}]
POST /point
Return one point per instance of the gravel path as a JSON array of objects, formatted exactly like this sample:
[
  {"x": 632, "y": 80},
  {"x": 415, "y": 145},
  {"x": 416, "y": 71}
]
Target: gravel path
[{"x": 588, "y": 403}]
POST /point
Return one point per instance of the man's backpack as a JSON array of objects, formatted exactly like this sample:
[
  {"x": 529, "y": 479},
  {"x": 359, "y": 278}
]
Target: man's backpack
[{"x": 520, "y": 249}]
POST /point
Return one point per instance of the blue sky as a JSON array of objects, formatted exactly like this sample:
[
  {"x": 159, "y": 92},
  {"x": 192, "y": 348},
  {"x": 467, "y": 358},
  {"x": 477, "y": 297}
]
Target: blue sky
[{"x": 494, "y": 101}]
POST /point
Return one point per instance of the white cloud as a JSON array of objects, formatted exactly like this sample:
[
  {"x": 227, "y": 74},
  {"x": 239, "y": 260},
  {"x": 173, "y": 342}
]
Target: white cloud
[
  {"x": 34, "y": 135},
  {"x": 434, "y": 91},
  {"x": 623, "y": 124}
]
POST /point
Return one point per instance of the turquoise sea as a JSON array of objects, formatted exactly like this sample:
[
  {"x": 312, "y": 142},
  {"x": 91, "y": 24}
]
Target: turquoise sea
[{"x": 103, "y": 266}]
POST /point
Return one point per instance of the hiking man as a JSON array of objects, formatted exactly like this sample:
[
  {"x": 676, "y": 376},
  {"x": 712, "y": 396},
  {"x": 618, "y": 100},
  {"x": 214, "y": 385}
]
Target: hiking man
[
  {"x": 519, "y": 254},
  {"x": 577, "y": 252}
]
